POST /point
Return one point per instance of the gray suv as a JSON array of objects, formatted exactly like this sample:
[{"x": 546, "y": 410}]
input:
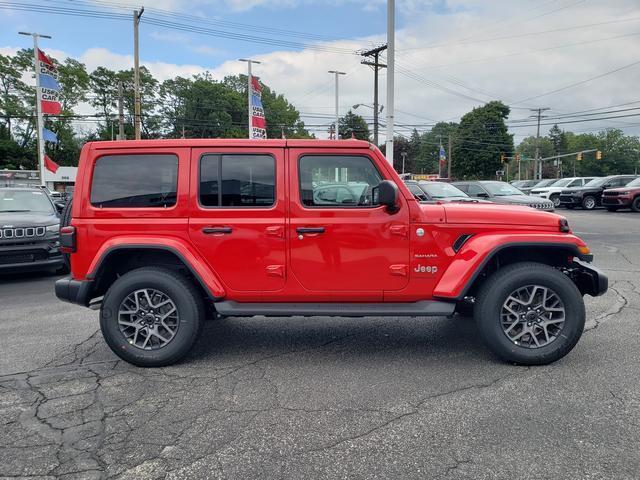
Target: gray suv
[{"x": 503, "y": 193}]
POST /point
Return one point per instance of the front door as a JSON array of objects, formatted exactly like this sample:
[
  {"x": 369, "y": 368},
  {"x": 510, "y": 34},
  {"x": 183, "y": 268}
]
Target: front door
[
  {"x": 237, "y": 219},
  {"x": 339, "y": 240}
]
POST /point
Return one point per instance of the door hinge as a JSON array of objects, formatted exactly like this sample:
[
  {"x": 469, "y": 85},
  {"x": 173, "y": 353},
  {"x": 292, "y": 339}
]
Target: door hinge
[
  {"x": 275, "y": 271},
  {"x": 400, "y": 270},
  {"x": 275, "y": 231},
  {"x": 401, "y": 230}
]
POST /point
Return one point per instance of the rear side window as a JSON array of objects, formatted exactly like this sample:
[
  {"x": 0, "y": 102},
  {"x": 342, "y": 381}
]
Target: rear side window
[
  {"x": 237, "y": 180},
  {"x": 130, "y": 181}
]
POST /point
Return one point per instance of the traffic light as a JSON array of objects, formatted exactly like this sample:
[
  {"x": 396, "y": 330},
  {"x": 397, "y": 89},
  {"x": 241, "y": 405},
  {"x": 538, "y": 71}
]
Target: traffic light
[
  {"x": 579, "y": 156},
  {"x": 598, "y": 155}
]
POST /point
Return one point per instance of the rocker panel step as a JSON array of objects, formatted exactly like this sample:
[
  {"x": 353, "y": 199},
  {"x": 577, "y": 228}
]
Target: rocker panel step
[{"x": 413, "y": 309}]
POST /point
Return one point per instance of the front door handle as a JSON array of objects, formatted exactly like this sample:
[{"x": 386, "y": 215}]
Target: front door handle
[
  {"x": 302, "y": 230},
  {"x": 216, "y": 230}
]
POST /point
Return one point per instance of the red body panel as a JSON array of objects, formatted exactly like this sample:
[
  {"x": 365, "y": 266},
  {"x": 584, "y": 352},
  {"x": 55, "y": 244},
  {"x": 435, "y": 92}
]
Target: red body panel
[{"x": 365, "y": 254}]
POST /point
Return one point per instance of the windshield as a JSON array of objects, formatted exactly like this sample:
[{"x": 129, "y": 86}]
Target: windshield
[
  {"x": 562, "y": 183},
  {"x": 24, "y": 201},
  {"x": 441, "y": 190},
  {"x": 501, "y": 189},
  {"x": 546, "y": 183},
  {"x": 597, "y": 182},
  {"x": 634, "y": 183}
]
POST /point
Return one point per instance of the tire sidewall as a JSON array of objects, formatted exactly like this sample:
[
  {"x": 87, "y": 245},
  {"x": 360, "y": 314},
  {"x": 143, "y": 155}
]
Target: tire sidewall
[
  {"x": 555, "y": 199},
  {"x": 489, "y": 308},
  {"x": 188, "y": 313},
  {"x": 635, "y": 205}
]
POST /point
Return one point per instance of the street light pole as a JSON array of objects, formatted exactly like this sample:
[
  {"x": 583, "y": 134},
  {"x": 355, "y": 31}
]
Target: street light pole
[
  {"x": 391, "y": 7},
  {"x": 249, "y": 74},
  {"x": 537, "y": 174},
  {"x": 136, "y": 72},
  {"x": 337, "y": 129},
  {"x": 39, "y": 118}
]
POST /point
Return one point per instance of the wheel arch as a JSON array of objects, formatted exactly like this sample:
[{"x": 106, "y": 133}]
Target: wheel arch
[
  {"x": 471, "y": 267},
  {"x": 116, "y": 260}
]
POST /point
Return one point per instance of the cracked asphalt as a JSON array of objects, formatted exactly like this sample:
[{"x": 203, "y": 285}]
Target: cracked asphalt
[{"x": 325, "y": 398}]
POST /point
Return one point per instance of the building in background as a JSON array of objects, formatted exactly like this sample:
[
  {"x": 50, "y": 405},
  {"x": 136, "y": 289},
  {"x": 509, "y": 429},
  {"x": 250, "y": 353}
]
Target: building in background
[{"x": 64, "y": 177}]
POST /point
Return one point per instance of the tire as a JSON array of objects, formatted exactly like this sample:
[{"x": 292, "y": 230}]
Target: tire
[
  {"x": 497, "y": 291},
  {"x": 556, "y": 200},
  {"x": 635, "y": 205},
  {"x": 612, "y": 209},
  {"x": 189, "y": 310},
  {"x": 65, "y": 219},
  {"x": 589, "y": 202}
]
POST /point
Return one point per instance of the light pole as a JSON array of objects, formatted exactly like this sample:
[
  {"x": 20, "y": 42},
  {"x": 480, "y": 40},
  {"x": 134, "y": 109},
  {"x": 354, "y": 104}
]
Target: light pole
[
  {"x": 39, "y": 119},
  {"x": 404, "y": 156},
  {"x": 376, "y": 112},
  {"x": 136, "y": 72},
  {"x": 337, "y": 129},
  {"x": 249, "y": 63},
  {"x": 391, "y": 7}
]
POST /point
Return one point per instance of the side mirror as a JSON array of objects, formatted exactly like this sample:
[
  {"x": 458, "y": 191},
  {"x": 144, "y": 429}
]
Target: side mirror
[
  {"x": 386, "y": 193},
  {"x": 482, "y": 195}
]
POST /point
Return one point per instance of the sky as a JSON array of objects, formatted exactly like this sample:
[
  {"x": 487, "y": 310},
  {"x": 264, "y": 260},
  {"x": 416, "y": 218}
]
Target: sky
[{"x": 452, "y": 55}]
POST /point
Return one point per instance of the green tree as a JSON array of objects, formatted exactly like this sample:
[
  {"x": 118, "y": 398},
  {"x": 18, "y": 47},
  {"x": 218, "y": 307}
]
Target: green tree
[
  {"x": 480, "y": 139},
  {"x": 354, "y": 125}
]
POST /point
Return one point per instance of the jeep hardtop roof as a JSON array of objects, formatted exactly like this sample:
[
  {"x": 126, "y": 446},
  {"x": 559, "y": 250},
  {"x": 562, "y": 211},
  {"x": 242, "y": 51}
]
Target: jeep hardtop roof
[{"x": 229, "y": 142}]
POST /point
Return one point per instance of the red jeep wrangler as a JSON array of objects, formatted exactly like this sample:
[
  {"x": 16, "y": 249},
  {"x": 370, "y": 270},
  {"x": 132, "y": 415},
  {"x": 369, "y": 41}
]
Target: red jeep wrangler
[{"x": 162, "y": 233}]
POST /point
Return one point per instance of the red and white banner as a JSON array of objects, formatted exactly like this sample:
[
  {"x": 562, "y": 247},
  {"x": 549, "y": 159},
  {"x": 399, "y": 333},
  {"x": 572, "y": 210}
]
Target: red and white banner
[
  {"x": 258, "y": 122},
  {"x": 49, "y": 86}
]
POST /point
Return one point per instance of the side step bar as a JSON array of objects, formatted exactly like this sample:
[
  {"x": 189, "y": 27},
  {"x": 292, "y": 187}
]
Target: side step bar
[{"x": 414, "y": 309}]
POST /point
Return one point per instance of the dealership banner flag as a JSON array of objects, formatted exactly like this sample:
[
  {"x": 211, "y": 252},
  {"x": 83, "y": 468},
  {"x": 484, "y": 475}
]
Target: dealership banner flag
[
  {"x": 50, "y": 164},
  {"x": 49, "y": 86},
  {"x": 49, "y": 136},
  {"x": 258, "y": 122},
  {"x": 443, "y": 155}
]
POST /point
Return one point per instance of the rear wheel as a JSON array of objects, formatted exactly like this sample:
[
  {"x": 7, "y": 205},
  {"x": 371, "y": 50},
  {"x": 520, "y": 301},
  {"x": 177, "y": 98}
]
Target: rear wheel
[
  {"x": 589, "y": 203},
  {"x": 151, "y": 317},
  {"x": 635, "y": 205},
  {"x": 530, "y": 313}
]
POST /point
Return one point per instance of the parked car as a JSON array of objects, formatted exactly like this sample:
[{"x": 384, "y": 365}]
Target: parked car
[
  {"x": 590, "y": 195},
  {"x": 503, "y": 193},
  {"x": 539, "y": 184},
  {"x": 163, "y": 232},
  {"x": 429, "y": 191},
  {"x": 624, "y": 197},
  {"x": 525, "y": 185},
  {"x": 552, "y": 191},
  {"x": 29, "y": 231}
]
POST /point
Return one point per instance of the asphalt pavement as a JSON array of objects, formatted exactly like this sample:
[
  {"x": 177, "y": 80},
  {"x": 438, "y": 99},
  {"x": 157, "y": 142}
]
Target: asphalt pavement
[{"x": 325, "y": 397}]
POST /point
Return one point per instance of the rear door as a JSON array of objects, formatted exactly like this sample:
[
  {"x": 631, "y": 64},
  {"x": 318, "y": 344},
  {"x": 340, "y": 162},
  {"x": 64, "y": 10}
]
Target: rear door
[{"x": 237, "y": 219}]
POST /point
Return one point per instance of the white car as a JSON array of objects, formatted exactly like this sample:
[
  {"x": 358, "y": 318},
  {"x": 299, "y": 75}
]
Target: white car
[{"x": 552, "y": 192}]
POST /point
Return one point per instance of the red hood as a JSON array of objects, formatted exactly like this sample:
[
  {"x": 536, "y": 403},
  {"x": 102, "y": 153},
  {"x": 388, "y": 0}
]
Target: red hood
[{"x": 499, "y": 215}]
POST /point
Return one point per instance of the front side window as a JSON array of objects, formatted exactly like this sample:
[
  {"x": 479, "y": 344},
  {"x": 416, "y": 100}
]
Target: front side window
[
  {"x": 337, "y": 181},
  {"x": 128, "y": 181},
  {"x": 237, "y": 180},
  {"x": 476, "y": 191}
]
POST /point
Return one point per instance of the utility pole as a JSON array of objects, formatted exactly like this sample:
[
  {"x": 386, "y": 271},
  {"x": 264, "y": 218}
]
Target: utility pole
[
  {"x": 39, "y": 118},
  {"x": 120, "y": 113},
  {"x": 375, "y": 53},
  {"x": 537, "y": 174},
  {"x": 391, "y": 24},
  {"x": 404, "y": 156},
  {"x": 136, "y": 72},
  {"x": 449, "y": 159},
  {"x": 249, "y": 76},
  {"x": 337, "y": 129}
]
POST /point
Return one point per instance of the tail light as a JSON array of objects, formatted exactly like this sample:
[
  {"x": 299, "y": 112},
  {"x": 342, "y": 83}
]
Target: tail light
[{"x": 68, "y": 239}]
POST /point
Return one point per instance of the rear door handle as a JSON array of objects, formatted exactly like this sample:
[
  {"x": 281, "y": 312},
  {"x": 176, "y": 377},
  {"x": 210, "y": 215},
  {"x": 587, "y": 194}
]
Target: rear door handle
[
  {"x": 216, "y": 230},
  {"x": 302, "y": 230}
]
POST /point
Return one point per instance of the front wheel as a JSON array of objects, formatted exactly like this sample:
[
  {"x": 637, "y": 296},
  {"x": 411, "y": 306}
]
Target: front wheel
[
  {"x": 589, "y": 203},
  {"x": 151, "y": 317},
  {"x": 635, "y": 205},
  {"x": 530, "y": 314},
  {"x": 556, "y": 200}
]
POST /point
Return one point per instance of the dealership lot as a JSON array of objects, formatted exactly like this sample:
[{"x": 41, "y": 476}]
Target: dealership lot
[{"x": 318, "y": 397}]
